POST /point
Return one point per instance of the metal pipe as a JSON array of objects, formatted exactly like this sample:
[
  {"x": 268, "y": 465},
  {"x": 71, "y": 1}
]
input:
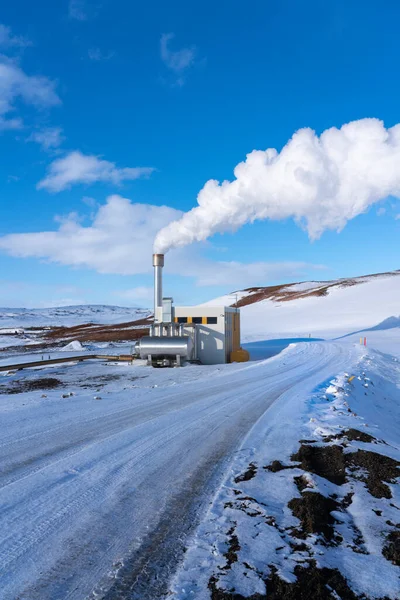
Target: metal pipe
[{"x": 158, "y": 263}]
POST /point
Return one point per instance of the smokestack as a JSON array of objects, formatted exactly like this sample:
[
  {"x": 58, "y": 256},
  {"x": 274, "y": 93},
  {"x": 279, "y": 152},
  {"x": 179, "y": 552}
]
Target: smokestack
[{"x": 158, "y": 263}]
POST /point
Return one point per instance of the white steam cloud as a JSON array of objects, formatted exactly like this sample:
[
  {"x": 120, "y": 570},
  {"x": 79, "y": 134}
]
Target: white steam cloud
[{"x": 321, "y": 182}]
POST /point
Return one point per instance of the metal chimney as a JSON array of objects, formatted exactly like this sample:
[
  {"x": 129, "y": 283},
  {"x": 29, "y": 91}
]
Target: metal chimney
[{"x": 158, "y": 263}]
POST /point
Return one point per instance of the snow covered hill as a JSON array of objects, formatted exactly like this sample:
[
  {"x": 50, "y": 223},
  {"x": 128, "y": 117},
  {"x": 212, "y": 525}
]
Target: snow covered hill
[
  {"x": 326, "y": 309},
  {"x": 66, "y": 316}
]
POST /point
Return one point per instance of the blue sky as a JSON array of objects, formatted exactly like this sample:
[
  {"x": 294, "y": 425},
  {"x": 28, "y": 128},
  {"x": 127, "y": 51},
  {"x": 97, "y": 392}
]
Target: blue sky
[{"x": 107, "y": 105}]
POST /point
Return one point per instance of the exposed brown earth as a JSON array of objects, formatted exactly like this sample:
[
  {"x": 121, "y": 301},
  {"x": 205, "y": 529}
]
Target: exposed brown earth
[
  {"x": 314, "y": 512},
  {"x": 391, "y": 550},
  {"x": 19, "y": 386},
  {"x": 285, "y": 293},
  {"x": 331, "y": 462},
  {"x": 88, "y": 332},
  {"x": 311, "y": 584}
]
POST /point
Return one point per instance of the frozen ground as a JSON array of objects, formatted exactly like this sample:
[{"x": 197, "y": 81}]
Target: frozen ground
[
  {"x": 310, "y": 506},
  {"x": 112, "y": 476},
  {"x": 104, "y": 477},
  {"x": 340, "y": 310},
  {"x": 64, "y": 316}
]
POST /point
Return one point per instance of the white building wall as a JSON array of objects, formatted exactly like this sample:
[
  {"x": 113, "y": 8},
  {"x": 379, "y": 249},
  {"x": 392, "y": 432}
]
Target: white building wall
[{"x": 214, "y": 340}]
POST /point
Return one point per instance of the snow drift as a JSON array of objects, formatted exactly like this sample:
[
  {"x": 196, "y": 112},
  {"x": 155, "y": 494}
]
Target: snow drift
[{"x": 321, "y": 182}]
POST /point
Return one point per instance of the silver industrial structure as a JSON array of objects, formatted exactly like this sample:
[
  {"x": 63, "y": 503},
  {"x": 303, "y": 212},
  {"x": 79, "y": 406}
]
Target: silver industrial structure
[{"x": 203, "y": 334}]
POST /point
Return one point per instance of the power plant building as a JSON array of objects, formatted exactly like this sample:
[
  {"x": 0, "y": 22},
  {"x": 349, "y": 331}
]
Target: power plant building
[
  {"x": 217, "y": 331},
  {"x": 203, "y": 334}
]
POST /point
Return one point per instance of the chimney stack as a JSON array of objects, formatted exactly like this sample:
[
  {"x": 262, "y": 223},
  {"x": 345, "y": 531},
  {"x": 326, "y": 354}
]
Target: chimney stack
[{"x": 158, "y": 263}]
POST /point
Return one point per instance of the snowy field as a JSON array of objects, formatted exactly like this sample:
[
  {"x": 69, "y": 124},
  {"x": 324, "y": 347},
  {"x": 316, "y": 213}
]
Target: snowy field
[
  {"x": 118, "y": 481},
  {"x": 342, "y": 311},
  {"x": 112, "y": 468},
  {"x": 64, "y": 316}
]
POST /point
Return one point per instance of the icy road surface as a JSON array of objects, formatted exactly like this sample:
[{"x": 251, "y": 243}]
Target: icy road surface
[{"x": 99, "y": 491}]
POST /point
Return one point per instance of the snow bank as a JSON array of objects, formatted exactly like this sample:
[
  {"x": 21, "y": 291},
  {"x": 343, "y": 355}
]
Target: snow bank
[
  {"x": 75, "y": 345},
  {"x": 251, "y": 535}
]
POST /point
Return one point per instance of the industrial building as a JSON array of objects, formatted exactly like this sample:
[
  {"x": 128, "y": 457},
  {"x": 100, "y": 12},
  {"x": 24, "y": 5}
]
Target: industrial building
[{"x": 204, "y": 334}]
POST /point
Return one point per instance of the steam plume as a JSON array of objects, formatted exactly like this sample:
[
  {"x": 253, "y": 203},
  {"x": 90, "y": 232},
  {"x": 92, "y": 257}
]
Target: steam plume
[{"x": 321, "y": 182}]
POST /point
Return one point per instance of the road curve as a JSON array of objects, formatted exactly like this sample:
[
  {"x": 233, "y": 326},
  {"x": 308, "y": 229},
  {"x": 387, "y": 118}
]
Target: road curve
[{"x": 98, "y": 498}]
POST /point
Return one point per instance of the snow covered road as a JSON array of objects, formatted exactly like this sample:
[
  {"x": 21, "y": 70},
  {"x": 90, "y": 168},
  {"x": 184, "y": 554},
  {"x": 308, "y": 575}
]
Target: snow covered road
[{"x": 100, "y": 491}]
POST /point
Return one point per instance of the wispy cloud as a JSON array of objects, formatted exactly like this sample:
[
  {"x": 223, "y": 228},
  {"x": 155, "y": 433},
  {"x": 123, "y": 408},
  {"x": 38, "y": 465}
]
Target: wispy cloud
[
  {"x": 120, "y": 237},
  {"x": 9, "y": 40},
  {"x": 49, "y": 137},
  {"x": 75, "y": 168},
  {"x": 77, "y": 10},
  {"x": 96, "y": 54},
  {"x": 15, "y": 84},
  {"x": 177, "y": 61}
]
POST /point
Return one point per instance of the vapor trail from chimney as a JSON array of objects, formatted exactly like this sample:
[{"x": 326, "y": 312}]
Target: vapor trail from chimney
[{"x": 321, "y": 182}]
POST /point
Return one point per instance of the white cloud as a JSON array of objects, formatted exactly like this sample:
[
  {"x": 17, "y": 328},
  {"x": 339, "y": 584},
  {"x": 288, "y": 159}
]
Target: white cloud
[
  {"x": 15, "y": 84},
  {"x": 177, "y": 61},
  {"x": 381, "y": 211},
  {"x": 77, "y": 10},
  {"x": 119, "y": 240},
  {"x": 96, "y": 54},
  {"x": 76, "y": 168},
  {"x": 49, "y": 137},
  {"x": 8, "y": 40},
  {"x": 320, "y": 182}
]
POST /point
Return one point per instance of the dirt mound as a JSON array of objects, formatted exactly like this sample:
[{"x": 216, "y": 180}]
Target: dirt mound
[
  {"x": 249, "y": 474},
  {"x": 352, "y": 435},
  {"x": 391, "y": 550},
  {"x": 311, "y": 584},
  {"x": 380, "y": 469},
  {"x": 314, "y": 512},
  {"x": 331, "y": 462},
  {"x": 326, "y": 461}
]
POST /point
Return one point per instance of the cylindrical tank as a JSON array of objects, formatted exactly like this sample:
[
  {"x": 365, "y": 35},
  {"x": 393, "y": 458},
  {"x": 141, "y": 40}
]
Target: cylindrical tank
[{"x": 165, "y": 346}]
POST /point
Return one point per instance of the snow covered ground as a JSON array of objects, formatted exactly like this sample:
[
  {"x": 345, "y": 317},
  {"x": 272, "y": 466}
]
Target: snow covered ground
[
  {"x": 112, "y": 468},
  {"x": 344, "y": 309},
  {"x": 310, "y": 496},
  {"x": 64, "y": 316},
  {"x": 119, "y": 481}
]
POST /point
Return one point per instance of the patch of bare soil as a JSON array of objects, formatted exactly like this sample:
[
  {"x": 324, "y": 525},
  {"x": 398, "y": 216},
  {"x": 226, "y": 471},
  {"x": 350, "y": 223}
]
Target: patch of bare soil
[
  {"x": 19, "y": 386},
  {"x": 218, "y": 594},
  {"x": 285, "y": 293},
  {"x": 331, "y": 462},
  {"x": 277, "y": 466},
  {"x": 325, "y": 461},
  {"x": 311, "y": 584},
  {"x": 314, "y": 512},
  {"x": 247, "y": 475},
  {"x": 233, "y": 548},
  {"x": 391, "y": 550},
  {"x": 380, "y": 469},
  {"x": 352, "y": 435},
  {"x": 89, "y": 332}
]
